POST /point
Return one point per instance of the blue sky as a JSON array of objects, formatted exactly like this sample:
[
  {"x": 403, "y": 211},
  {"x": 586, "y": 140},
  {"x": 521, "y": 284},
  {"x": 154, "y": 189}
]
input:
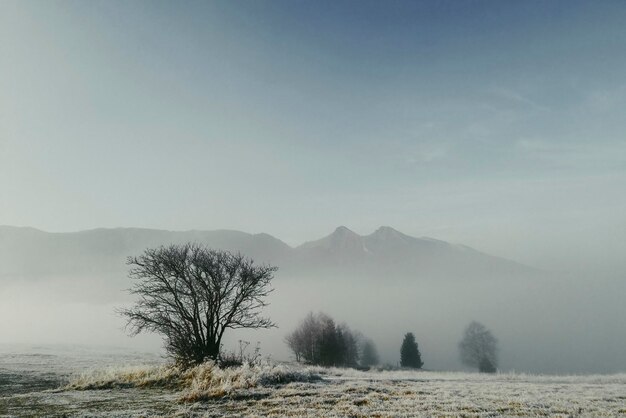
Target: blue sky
[{"x": 496, "y": 124}]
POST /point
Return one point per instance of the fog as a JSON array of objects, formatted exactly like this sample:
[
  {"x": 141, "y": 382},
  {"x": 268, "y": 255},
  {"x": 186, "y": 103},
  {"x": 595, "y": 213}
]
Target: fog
[
  {"x": 545, "y": 322},
  {"x": 564, "y": 326}
]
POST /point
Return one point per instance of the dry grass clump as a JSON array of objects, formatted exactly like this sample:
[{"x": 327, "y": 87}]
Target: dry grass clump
[
  {"x": 207, "y": 381},
  {"x": 202, "y": 382},
  {"x": 163, "y": 376},
  {"x": 280, "y": 375}
]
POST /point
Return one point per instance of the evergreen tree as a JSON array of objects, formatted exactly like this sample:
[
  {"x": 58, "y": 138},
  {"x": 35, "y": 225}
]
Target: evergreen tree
[
  {"x": 350, "y": 346},
  {"x": 329, "y": 344},
  {"x": 409, "y": 353}
]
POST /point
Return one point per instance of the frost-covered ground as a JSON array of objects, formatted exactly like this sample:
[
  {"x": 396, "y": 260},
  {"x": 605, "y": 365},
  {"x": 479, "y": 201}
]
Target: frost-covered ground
[{"x": 339, "y": 392}]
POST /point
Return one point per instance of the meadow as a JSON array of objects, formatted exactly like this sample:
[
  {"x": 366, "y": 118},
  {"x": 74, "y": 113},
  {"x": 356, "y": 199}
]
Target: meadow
[{"x": 279, "y": 389}]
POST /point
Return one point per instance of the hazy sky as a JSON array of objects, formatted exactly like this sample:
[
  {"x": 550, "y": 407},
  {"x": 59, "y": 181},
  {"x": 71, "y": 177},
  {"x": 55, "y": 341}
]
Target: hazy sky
[{"x": 499, "y": 124}]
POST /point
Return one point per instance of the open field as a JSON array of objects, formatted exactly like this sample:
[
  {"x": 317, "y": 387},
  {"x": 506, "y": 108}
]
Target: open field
[{"x": 153, "y": 390}]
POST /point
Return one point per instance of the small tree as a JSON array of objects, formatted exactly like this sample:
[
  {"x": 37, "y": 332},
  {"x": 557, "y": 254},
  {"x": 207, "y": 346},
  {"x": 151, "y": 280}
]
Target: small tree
[
  {"x": 478, "y": 348},
  {"x": 369, "y": 354},
  {"x": 304, "y": 340},
  {"x": 191, "y": 295},
  {"x": 409, "y": 353}
]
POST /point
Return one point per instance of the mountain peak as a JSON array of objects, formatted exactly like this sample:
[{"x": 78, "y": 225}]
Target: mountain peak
[
  {"x": 346, "y": 239},
  {"x": 387, "y": 232},
  {"x": 342, "y": 238},
  {"x": 344, "y": 231}
]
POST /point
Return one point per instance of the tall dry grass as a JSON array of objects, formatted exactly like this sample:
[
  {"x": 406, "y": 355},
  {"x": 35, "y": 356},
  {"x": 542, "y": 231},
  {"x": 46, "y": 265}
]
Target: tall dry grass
[{"x": 205, "y": 381}]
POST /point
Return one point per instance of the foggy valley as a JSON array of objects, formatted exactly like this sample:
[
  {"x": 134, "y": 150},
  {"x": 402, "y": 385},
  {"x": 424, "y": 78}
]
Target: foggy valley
[{"x": 65, "y": 287}]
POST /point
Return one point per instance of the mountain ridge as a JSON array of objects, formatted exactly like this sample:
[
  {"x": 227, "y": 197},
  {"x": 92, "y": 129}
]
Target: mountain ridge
[
  {"x": 380, "y": 230},
  {"x": 27, "y": 251}
]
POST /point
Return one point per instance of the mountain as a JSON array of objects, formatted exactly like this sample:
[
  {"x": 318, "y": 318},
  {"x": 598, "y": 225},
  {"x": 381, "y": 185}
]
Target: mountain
[
  {"x": 28, "y": 252},
  {"x": 382, "y": 243},
  {"x": 389, "y": 252}
]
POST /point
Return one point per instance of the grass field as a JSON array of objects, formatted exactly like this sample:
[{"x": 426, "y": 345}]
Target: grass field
[{"x": 287, "y": 390}]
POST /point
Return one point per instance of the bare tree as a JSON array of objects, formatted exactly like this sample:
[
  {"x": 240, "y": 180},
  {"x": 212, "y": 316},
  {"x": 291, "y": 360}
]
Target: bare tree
[
  {"x": 369, "y": 354},
  {"x": 304, "y": 341},
  {"x": 191, "y": 295},
  {"x": 478, "y": 348}
]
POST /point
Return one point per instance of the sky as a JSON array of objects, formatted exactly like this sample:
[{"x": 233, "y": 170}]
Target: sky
[{"x": 499, "y": 125}]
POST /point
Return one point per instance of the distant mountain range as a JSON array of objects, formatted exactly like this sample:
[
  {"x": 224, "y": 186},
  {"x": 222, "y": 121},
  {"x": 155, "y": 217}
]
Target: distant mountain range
[{"x": 28, "y": 252}]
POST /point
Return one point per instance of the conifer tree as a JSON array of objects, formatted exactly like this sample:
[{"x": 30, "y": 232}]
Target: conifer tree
[{"x": 409, "y": 353}]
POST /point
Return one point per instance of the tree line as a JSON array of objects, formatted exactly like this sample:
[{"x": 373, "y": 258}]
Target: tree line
[{"x": 318, "y": 340}]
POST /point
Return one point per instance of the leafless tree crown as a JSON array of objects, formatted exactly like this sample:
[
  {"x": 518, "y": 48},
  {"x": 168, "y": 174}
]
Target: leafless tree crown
[
  {"x": 191, "y": 295},
  {"x": 478, "y": 348}
]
